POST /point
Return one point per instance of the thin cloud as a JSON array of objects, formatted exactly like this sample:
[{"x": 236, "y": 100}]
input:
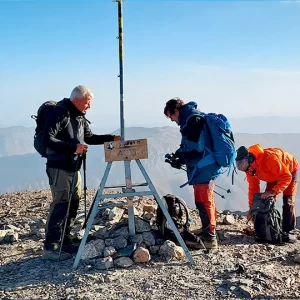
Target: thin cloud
[{"x": 291, "y": 2}]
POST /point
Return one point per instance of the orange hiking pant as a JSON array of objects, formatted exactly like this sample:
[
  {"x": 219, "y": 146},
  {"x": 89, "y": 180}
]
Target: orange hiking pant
[
  {"x": 288, "y": 207},
  {"x": 205, "y": 202}
]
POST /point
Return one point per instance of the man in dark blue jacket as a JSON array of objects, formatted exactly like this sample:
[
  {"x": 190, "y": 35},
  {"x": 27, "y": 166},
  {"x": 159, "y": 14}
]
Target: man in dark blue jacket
[
  {"x": 66, "y": 135},
  {"x": 191, "y": 151}
]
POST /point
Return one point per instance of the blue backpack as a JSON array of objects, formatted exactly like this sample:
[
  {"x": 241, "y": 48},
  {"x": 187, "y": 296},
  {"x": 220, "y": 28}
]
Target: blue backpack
[
  {"x": 222, "y": 150},
  {"x": 219, "y": 130}
]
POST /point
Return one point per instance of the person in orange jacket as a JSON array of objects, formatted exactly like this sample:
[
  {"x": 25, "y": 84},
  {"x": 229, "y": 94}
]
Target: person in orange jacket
[{"x": 279, "y": 169}]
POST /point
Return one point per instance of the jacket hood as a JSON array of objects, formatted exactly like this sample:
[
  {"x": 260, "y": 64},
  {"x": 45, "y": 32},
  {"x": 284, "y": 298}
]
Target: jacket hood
[
  {"x": 256, "y": 150},
  {"x": 187, "y": 109}
]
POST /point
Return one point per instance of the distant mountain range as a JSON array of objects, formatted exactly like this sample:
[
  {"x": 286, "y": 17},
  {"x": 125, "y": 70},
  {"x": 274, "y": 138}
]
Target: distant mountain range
[
  {"x": 17, "y": 140},
  {"x": 21, "y": 168}
]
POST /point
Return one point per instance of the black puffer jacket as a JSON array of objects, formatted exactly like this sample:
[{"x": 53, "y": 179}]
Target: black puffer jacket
[{"x": 66, "y": 127}]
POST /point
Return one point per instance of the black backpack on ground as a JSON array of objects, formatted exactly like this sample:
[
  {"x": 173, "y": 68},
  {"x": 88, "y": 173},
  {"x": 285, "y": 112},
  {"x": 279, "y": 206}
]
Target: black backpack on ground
[
  {"x": 40, "y": 118},
  {"x": 179, "y": 213},
  {"x": 267, "y": 220}
]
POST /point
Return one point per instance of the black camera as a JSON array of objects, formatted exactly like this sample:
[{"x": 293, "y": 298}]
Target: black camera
[
  {"x": 173, "y": 160},
  {"x": 170, "y": 157}
]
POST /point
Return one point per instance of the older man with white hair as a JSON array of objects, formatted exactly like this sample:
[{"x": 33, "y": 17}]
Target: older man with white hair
[{"x": 66, "y": 136}]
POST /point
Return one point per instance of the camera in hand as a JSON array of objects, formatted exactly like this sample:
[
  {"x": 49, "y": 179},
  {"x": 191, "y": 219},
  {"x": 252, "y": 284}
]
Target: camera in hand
[{"x": 173, "y": 160}]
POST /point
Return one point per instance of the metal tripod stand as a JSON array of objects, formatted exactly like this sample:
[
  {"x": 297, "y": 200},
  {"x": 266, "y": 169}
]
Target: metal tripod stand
[{"x": 128, "y": 190}]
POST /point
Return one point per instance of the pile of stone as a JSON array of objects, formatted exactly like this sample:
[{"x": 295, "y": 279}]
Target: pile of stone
[
  {"x": 8, "y": 234},
  {"x": 111, "y": 246}
]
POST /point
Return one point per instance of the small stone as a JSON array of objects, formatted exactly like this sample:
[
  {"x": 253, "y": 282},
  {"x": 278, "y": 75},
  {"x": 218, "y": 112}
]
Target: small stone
[
  {"x": 138, "y": 238},
  {"x": 149, "y": 208},
  {"x": 8, "y": 236},
  {"x": 115, "y": 215},
  {"x": 136, "y": 211},
  {"x": 97, "y": 227},
  {"x": 104, "y": 263},
  {"x": 117, "y": 243},
  {"x": 123, "y": 262},
  {"x": 240, "y": 255},
  {"x": 99, "y": 245},
  {"x": 105, "y": 213},
  {"x": 141, "y": 225},
  {"x": 297, "y": 258},
  {"x": 123, "y": 231},
  {"x": 229, "y": 220},
  {"x": 88, "y": 267},
  {"x": 148, "y": 238},
  {"x": 242, "y": 293},
  {"x": 148, "y": 216},
  {"x": 154, "y": 249},
  {"x": 141, "y": 255},
  {"x": 169, "y": 250},
  {"x": 90, "y": 252},
  {"x": 109, "y": 251},
  {"x": 127, "y": 251},
  {"x": 159, "y": 242}
]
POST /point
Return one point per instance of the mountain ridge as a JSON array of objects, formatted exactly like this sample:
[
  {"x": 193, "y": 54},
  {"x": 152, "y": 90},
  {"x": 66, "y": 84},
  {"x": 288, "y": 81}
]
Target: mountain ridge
[{"x": 23, "y": 172}]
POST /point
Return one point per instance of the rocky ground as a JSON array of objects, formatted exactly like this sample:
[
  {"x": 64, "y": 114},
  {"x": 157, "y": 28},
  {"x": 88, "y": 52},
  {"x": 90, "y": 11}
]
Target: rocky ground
[{"x": 24, "y": 275}]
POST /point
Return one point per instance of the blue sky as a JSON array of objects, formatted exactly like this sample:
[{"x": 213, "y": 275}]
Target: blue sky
[{"x": 240, "y": 58}]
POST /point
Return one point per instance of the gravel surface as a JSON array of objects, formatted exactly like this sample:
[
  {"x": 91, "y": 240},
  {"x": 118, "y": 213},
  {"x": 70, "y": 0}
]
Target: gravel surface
[{"x": 24, "y": 275}]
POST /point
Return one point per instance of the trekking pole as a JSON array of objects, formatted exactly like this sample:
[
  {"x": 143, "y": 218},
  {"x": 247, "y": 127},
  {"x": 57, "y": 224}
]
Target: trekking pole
[
  {"x": 233, "y": 171},
  {"x": 74, "y": 180},
  {"x": 222, "y": 196},
  {"x": 90, "y": 210},
  {"x": 84, "y": 183},
  {"x": 227, "y": 191}
]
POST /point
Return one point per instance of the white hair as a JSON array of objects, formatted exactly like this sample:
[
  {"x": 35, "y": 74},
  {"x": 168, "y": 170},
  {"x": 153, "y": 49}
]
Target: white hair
[{"x": 80, "y": 92}]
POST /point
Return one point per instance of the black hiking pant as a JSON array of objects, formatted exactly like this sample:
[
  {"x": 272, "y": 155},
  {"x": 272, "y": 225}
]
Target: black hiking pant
[{"x": 60, "y": 182}]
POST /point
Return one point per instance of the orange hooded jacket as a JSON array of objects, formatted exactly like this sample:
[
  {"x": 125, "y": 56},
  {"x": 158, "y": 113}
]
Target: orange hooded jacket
[{"x": 271, "y": 165}]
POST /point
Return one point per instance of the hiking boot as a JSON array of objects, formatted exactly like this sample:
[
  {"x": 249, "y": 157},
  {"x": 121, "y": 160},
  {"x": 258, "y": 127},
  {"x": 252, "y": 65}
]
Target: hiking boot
[
  {"x": 286, "y": 238},
  {"x": 70, "y": 248},
  {"x": 210, "y": 240},
  {"x": 69, "y": 239},
  {"x": 54, "y": 255},
  {"x": 211, "y": 244}
]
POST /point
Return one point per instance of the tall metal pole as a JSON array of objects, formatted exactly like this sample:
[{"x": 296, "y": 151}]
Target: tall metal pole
[
  {"x": 128, "y": 181},
  {"x": 121, "y": 56}
]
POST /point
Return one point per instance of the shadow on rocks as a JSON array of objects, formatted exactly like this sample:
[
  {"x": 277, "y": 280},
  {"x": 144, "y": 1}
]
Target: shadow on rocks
[
  {"x": 234, "y": 237},
  {"x": 35, "y": 271}
]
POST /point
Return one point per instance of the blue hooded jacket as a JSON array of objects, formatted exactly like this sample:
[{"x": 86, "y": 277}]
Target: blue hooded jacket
[{"x": 194, "y": 152}]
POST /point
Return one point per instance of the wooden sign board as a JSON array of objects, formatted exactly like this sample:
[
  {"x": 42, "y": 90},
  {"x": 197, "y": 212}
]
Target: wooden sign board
[{"x": 127, "y": 150}]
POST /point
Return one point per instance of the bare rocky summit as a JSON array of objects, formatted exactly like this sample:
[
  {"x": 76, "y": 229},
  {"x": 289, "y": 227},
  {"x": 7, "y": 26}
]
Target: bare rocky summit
[{"x": 107, "y": 271}]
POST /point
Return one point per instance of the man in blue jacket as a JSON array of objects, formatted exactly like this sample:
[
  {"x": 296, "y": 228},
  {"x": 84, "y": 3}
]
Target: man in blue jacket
[
  {"x": 66, "y": 135},
  {"x": 191, "y": 151}
]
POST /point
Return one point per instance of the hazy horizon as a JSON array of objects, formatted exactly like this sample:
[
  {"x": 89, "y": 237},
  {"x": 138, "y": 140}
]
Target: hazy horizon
[{"x": 249, "y": 125}]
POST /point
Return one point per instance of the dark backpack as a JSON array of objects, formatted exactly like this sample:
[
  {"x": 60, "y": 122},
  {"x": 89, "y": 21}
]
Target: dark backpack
[
  {"x": 179, "y": 213},
  {"x": 42, "y": 114},
  {"x": 267, "y": 220}
]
